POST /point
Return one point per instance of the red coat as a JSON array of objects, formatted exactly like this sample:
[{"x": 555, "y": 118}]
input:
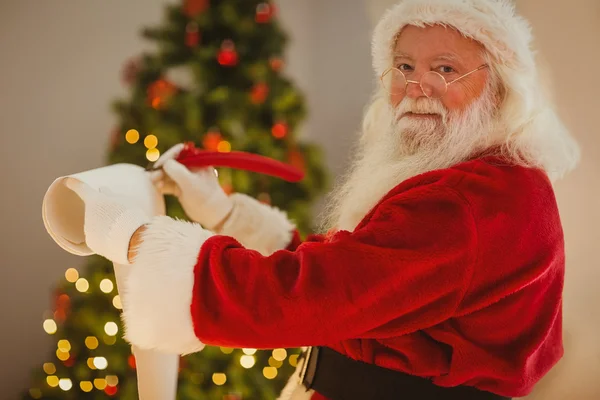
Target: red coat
[{"x": 456, "y": 275}]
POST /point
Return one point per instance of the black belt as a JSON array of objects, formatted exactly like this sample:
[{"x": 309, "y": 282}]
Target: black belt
[{"x": 338, "y": 377}]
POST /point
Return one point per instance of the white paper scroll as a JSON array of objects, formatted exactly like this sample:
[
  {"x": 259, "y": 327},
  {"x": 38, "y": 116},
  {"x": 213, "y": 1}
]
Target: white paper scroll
[{"x": 63, "y": 215}]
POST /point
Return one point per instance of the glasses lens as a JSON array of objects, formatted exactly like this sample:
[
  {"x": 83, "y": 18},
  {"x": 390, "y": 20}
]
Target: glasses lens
[
  {"x": 433, "y": 85},
  {"x": 394, "y": 81}
]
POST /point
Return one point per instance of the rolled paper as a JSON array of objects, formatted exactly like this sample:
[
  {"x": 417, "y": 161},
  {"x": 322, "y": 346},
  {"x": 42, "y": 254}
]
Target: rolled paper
[{"x": 63, "y": 213}]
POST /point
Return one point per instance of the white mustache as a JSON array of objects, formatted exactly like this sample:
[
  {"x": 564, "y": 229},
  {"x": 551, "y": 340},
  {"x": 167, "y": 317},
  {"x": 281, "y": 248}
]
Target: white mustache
[{"x": 420, "y": 106}]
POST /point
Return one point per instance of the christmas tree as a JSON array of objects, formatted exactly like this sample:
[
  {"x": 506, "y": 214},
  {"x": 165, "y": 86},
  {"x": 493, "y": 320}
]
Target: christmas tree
[{"x": 216, "y": 79}]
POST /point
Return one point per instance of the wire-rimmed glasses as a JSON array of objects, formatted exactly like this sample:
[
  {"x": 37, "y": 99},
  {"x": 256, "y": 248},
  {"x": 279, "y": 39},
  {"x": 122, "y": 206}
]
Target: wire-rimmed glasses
[{"x": 432, "y": 83}]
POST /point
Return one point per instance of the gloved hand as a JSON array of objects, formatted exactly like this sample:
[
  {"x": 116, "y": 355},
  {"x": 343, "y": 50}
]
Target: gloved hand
[
  {"x": 110, "y": 221},
  {"x": 199, "y": 192}
]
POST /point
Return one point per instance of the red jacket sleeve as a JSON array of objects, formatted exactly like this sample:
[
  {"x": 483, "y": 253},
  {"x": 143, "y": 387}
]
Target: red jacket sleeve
[
  {"x": 297, "y": 240},
  {"x": 405, "y": 269}
]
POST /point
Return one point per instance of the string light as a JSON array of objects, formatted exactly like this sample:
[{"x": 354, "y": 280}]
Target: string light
[
  {"x": 117, "y": 302},
  {"x": 219, "y": 378},
  {"x": 49, "y": 368},
  {"x": 110, "y": 340},
  {"x": 91, "y": 342},
  {"x": 150, "y": 141},
  {"x": 50, "y": 326},
  {"x": 111, "y": 328},
  {"x": 106, "y": 285},
  {"x": 270, "y": 372},
  {"x": 52, "y": 380},
  {"x": 275, "y": 363},
  {"x": 100, "y": 362},
  {"x": 62, "y": 355},
  {"x": 224, "y": 146},
  {"x": 71, "y": 275},
  {"x": 82, "y": 285},
  {"x": 279, "y": 354},
  {"x": 132, "y": 136},
  {"x": 152, "y": 155},
  {"x": 35, "y": 393},
  {"x": 64, "y": 345},
  {"x": 293, "y": 360},
  {"x": 112, "y": 380},
  {"x": 65, "y": 384},
  {"x": 100, "y": 383},
  {"x": 226, "y": 350},
  {"x": 86, "y": 386},
  {"x": 247, "y": 361},
  {"x": 249, "y": 351},
  {"x": 90, "y": 363}
]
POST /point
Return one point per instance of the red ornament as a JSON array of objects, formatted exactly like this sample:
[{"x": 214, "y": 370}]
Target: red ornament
[
  {"x": 131, "y": 361},
  {"x": 131, "y": 70},
  {"x": 191, "y": 8},
  {"x": 192, "y": 35},
  {"x": 296, "y": 159},
  {"x": 211, "y": 140},
  {"x": 264, "y": 13},
  {"x": 62, "y": 306},
  {"x": 279, "y": 130},
  {"x": 69, "y": 362},
  {"x": 276, "y": 64},
  {"x": 227, "y": 55},
  {"x": 259, "y": 93},
  {"x": 110, "y": 390},
  {"x": 60, "y": 316},
  {"x": 159, "y": 92}
]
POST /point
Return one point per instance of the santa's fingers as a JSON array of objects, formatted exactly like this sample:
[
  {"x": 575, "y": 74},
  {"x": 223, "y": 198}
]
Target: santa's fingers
[
  {"x": 170, "y": 154},
  {"x": 163, "y": 183}
]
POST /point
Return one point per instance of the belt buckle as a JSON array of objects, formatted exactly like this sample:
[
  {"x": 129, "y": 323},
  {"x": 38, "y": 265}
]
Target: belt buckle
[
  {"x": 309, "y": 368},
  {"x": 304, "y": 366}
]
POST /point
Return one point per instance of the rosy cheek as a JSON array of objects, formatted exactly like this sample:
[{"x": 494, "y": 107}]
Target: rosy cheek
[
  {"x": 395, "y": 99},
  {"x": 456, "y": 100}
]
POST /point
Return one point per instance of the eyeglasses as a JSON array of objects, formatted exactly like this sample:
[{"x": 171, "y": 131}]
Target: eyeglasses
[{"x": 432, "y": 84}]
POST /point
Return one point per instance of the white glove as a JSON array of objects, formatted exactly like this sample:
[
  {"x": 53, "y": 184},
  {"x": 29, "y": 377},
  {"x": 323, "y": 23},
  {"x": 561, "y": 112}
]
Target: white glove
[
  {"x": 199, "y": 192},
  {"x": 110, "y": 221}
]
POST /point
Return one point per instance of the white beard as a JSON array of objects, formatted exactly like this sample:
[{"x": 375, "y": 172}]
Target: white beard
[{"x": 409, "y": 147}]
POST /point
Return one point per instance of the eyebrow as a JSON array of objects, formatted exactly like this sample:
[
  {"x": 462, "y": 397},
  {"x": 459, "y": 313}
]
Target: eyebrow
[{"x": 441, "y": 57}]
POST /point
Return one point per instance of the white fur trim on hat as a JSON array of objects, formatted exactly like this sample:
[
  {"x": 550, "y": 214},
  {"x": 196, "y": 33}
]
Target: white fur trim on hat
[{"x": 493, "y": 23}]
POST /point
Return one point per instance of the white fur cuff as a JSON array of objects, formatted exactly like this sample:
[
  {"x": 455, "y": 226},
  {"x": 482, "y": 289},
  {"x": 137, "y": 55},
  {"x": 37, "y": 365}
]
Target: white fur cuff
[
  {"x": 257, "y": 226},
  {"x": 158, "y": 289}
]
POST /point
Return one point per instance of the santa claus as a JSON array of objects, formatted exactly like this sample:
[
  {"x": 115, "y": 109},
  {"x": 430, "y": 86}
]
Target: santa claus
[{"x": 440, "y": 275}]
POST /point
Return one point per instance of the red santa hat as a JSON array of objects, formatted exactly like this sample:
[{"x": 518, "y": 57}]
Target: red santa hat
[{"x": 507, "y": 38}]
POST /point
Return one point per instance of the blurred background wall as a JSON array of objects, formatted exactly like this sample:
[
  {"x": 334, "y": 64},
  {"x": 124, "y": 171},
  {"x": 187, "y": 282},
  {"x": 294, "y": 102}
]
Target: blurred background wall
[{"x": 60, "y": 65}]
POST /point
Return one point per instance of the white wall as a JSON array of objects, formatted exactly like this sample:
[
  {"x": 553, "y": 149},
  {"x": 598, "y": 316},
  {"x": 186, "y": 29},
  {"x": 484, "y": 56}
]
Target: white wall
[{"x": 60, "y": 68}]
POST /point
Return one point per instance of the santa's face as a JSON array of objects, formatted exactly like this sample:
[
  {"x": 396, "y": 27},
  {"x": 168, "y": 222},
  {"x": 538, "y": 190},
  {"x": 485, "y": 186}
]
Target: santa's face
[
  {"x": 414, "y": 133},
  {"x": 444, "y": 51}
]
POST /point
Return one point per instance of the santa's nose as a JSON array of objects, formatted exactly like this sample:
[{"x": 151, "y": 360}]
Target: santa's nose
[{"x": 413, "y": 90}]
